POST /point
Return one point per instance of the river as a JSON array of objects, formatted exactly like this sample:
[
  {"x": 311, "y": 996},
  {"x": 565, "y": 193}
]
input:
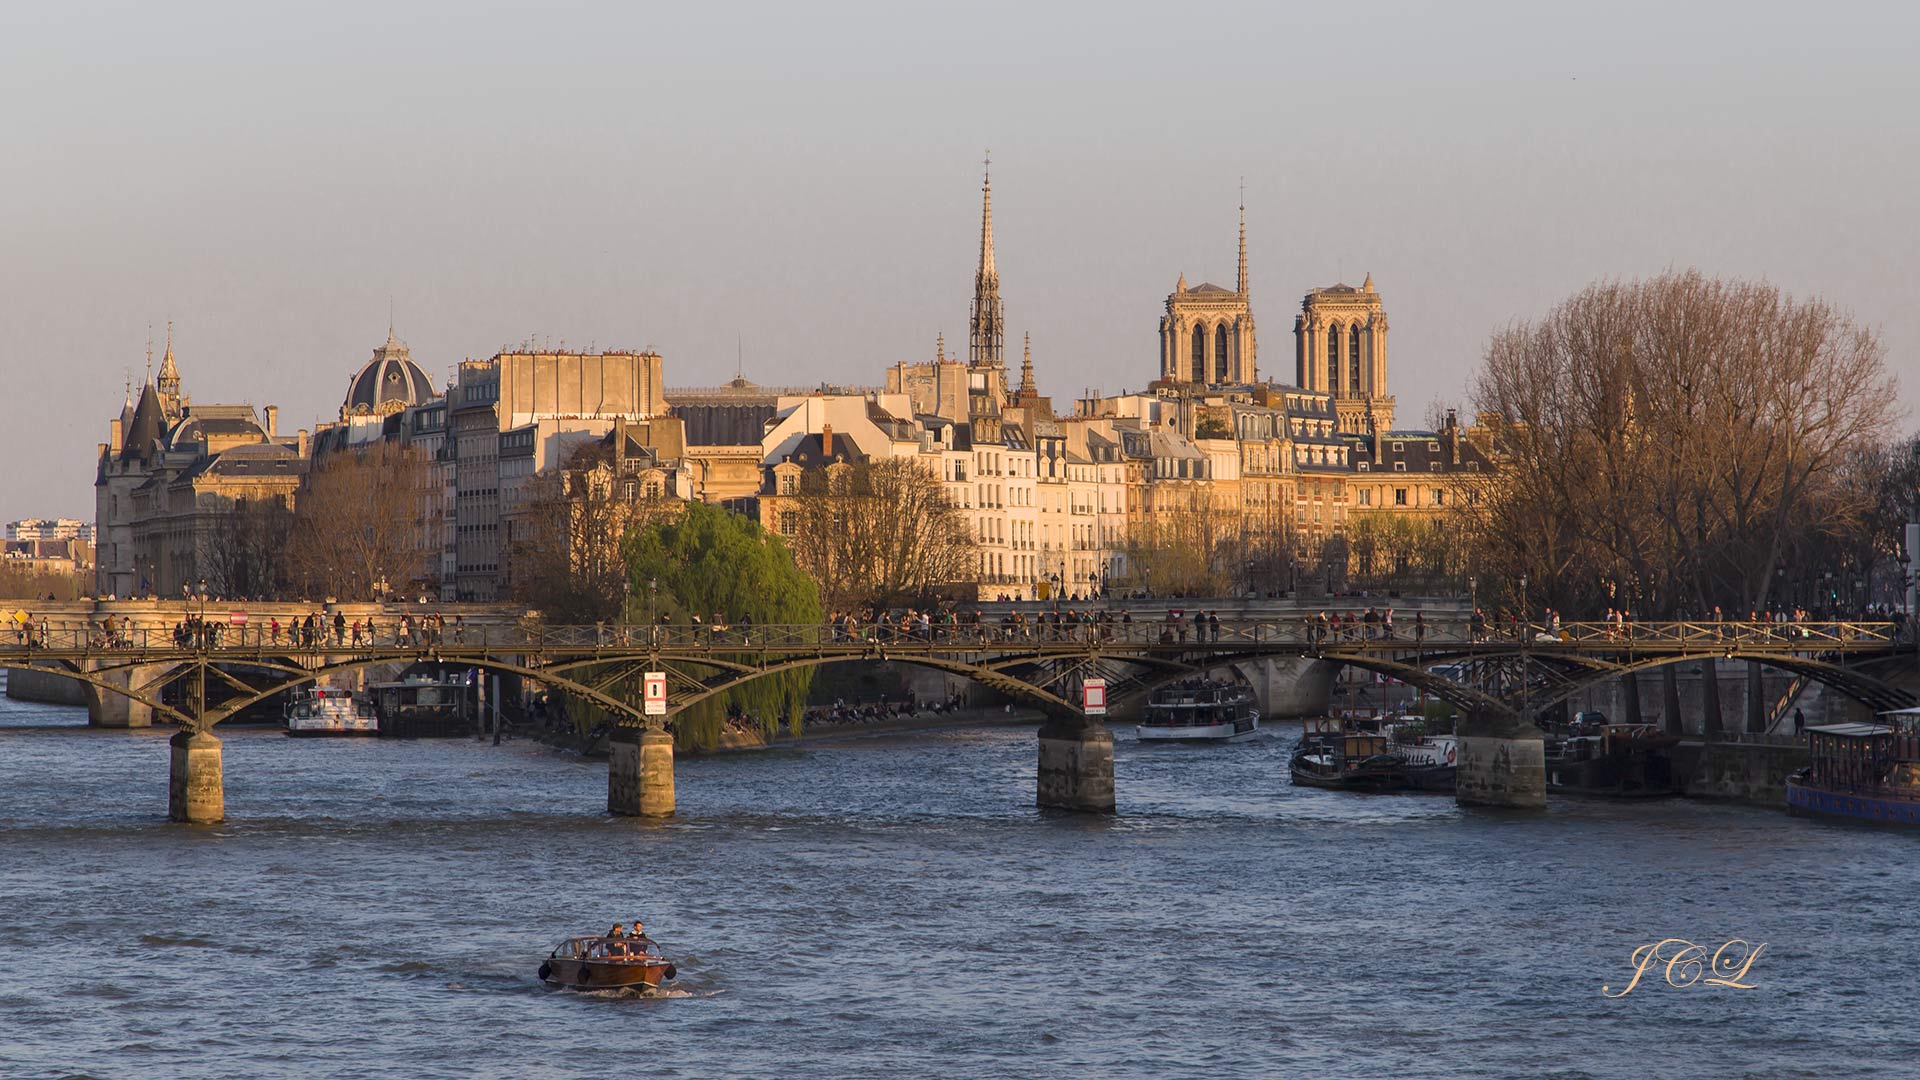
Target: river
[{"x": 894, "y": 906}]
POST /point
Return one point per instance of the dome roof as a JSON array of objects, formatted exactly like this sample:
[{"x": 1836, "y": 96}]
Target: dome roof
[{"x": 389, "y": 382}]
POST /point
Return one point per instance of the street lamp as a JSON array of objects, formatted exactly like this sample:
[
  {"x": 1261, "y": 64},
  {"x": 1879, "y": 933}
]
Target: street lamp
[{"x": 653, "y": 598}]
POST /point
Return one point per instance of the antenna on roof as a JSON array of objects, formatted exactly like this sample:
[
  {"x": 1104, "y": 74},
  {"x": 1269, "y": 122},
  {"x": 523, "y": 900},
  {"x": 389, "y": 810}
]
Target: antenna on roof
[
  {"x": 149, "y": 353},
  {"x": 739, "y": 353}
]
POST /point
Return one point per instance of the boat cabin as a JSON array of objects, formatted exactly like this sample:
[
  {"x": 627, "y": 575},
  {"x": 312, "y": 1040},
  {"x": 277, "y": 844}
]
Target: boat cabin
[{"x": 1858, "y": 756}]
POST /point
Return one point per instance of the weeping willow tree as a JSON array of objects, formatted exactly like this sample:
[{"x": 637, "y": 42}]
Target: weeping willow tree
[{"x": 712, "y": 560}]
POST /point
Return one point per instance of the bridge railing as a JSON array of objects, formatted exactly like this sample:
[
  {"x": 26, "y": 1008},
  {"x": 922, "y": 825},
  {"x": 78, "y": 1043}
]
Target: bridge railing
[{"x": 1440, "y": 634}]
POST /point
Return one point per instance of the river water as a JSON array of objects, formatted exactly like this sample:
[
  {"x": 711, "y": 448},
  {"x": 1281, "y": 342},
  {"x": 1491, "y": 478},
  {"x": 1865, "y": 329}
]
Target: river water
[{"x": 895, "y": 907}]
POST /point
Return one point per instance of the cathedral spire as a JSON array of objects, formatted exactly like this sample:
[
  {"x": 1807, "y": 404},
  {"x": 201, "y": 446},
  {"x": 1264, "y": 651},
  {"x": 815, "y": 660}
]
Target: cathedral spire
[
  {"x": 1241, "y": 287},
  {"x": 1026, "y": 367},
  {"x": 985, "y": 338}
]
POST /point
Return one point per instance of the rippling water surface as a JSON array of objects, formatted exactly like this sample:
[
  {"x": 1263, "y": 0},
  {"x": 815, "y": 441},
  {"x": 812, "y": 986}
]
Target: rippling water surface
[{"x": 894, "y": 906}]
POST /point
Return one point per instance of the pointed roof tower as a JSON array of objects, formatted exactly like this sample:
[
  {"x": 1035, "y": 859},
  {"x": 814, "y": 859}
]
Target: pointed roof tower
[
  {"x": 169, "y": 381},
  {"x": 1241, "y": 284},
  {"x": 985, "y": 335},
  {"x": 1026, "y": 367},
  {"x": 1367, "y": 285}
]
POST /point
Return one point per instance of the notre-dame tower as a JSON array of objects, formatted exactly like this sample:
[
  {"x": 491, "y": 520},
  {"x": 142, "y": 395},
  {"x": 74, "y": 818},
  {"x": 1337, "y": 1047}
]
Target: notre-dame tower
[
  {"x": 1206, "y": 336},
  {"x": 1340, "y": 345}
]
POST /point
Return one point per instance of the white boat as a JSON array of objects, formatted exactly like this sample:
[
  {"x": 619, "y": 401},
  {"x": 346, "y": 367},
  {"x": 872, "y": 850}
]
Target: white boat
[
  {"x": 329, "y": 710},
  {"x": 1200, "y": 710}
]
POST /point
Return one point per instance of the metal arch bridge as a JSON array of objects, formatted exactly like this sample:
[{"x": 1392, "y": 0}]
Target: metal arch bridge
[{"x": 1038, "y": 663}]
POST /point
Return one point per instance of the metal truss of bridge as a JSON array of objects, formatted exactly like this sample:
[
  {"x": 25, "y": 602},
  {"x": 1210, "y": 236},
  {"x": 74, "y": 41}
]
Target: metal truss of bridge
[{"x": 1506, "y": 675}]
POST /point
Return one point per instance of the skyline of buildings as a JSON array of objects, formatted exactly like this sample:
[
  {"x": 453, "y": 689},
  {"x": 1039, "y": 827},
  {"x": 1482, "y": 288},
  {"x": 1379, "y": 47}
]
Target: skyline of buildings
[{"x": 1058, "y": 501}]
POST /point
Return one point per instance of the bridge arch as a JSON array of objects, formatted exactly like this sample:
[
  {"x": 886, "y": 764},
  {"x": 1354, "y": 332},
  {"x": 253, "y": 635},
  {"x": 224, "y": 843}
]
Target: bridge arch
[
  {"x": 98, "y": 679},
  {"x": 1852, "y": 683}
]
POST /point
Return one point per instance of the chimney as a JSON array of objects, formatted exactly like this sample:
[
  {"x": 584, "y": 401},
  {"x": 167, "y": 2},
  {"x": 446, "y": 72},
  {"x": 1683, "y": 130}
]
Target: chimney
[
  {"x": 303, "y": 448},
  {"x": 1453, "y": 437},
  {"x": 273, "y": 420},
  {"x": 114, "y": 433},
  {"x": 826, "y": 441}
]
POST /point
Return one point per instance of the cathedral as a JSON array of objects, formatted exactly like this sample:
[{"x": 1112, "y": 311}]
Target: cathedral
[
  {"x": 1206, "y": 336},
  {"x": 1340, "y": 347}
]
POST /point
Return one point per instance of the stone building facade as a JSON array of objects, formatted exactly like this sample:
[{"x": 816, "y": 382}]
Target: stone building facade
[{"x": 1340, "y": 348}]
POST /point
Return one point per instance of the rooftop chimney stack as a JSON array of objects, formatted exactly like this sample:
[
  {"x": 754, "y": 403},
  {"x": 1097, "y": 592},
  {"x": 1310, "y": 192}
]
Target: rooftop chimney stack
[
  {"x": 273, "y": 420},
  {"x": 826, "y": 441}
]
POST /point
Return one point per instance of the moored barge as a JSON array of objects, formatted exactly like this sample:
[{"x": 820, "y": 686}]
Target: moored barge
[{"x": 1861, "y": 772}]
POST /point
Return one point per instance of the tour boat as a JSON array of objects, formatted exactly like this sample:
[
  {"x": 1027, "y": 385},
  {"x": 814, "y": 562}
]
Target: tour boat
[
  {"x": 1200, "y": 710},
  {"x": 1862, "y": 772},
  {"x": 329, "y": 710},
  {"x": 606, "y": 963}
]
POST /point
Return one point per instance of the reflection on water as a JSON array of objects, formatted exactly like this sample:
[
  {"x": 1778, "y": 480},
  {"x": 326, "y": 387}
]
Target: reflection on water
[{"x": 894, "y": 906}]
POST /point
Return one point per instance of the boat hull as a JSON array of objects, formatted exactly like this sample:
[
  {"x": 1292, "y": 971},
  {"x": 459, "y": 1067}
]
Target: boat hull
[
  {"x": 1803, "y": 798},
  {"x": 1198, "y": 733},
  {"x": 331, "y": 732},
  {"x": 606, "y": 974},
  {"x": 1352, "y": 781}
]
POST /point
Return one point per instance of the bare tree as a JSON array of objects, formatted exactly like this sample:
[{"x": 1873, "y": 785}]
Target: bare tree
[
  {"x": 366, "y": 516},
  {"x": 878, "y": 533},
  {"x": 1671, "y": 441},
  {"x": 565, "y": 556},
  {"x": 244, "y": 551}
]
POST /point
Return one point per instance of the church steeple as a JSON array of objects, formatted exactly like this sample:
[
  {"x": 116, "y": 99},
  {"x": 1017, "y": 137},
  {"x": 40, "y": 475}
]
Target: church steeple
[
  {"x": 1027, "y": 388},
  {"x": 1241, "y": 285},
  {"x": 985, "y": 337}
]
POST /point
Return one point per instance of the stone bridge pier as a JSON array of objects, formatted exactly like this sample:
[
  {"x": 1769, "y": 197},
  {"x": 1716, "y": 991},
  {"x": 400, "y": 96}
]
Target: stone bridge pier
[
  {"x": 1501, "y": 764},
  {"x": 1076, "y": 765},
  {"x": 640, "y": 772},
  {"x": 196, "y": 787}
]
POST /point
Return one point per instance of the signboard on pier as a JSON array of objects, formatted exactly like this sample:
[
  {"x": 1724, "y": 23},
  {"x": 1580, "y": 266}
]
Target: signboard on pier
[
  {"x": 1093, "y": 696},
  {"x": 655, "y": 693},
  {"x": 236, "y": 618}
]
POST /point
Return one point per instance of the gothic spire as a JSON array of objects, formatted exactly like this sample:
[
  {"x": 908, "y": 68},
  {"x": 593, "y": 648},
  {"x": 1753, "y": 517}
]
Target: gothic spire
[
  {"x": 1026, "y": 367},
  {"x": 985, "y": 338},
  {"x": 169, "y": 381},
  {"x": 1241, "y": 287}
]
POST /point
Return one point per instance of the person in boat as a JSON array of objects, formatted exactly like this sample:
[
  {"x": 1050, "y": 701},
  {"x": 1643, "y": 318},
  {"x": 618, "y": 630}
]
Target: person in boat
[
  {"x": 615, "y": 946},
  {"x": 640, "y": 935}
]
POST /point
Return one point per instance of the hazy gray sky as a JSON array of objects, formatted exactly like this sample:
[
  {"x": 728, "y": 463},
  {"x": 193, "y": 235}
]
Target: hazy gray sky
[{"x": 804, "y": 178}]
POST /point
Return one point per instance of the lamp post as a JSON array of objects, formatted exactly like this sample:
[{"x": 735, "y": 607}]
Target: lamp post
[{"x": 653, "y": 599}]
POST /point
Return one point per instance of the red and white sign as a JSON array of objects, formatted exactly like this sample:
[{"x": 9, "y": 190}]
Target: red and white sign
[
  {"x": 656, "y": 693},
  {"x": 1093, "y": 696},
  {"x": 236, "y": 618}
]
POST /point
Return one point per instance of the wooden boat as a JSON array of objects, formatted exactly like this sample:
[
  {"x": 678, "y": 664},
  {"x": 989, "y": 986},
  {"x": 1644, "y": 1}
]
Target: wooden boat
[
  {"x": 1200, "y": 710},
  {"x": 1861, "y": 772},
  {"x": 1332, "y": 755},
  {"x": 606, "y": 963}
]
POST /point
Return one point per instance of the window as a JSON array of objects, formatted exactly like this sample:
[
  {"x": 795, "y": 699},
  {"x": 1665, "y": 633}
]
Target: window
[
  {"x": 1399, "y": 496},
  {"x": 787, "y": 484},
  {"x": 1366, "y": 496},
  {"x": 1399, "y": 466},
  {"x": 1439, "y": 497},
  {"x": 789, "y": 522}
]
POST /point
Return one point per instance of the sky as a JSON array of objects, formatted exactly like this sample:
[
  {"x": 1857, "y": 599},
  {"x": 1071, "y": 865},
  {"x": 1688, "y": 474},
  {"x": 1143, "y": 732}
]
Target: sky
[{"x": 796, "y": 187}]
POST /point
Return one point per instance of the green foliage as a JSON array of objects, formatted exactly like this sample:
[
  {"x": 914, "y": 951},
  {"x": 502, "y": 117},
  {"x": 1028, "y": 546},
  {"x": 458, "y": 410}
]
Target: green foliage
[
  {"x": 711, "y": 560},
  {"x": 1212, "y": 428}
]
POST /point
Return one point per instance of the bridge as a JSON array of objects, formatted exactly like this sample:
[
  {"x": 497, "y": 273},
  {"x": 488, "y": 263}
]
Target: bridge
[{"x": 1498, "y": 678}]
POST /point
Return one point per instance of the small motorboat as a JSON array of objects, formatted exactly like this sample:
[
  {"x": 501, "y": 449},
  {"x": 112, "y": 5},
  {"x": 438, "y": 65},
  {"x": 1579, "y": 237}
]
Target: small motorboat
[{"x": 607, "y": 963}]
